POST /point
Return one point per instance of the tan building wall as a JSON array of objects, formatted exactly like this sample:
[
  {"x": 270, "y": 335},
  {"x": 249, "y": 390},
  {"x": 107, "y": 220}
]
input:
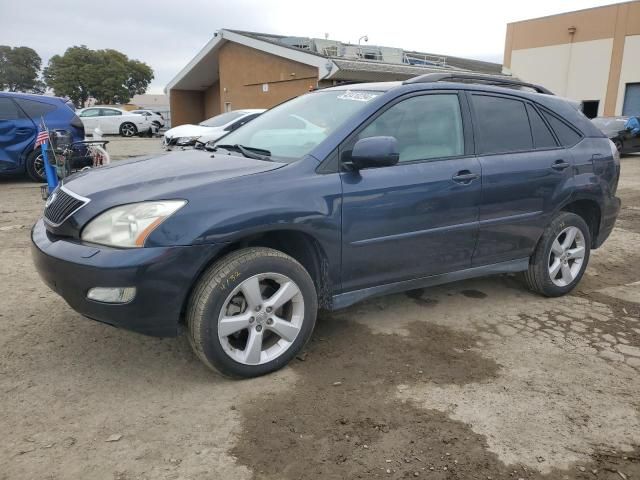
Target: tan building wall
[
  {"x": 580, "y": 54},
  {"x": 244, "y": 71},
  {"x": 187, "y": 106},
  {"x": 212, "y": 106}
]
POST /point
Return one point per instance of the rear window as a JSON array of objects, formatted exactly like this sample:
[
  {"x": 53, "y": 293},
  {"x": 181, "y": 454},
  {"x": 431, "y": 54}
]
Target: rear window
[
  {"x": 9, "y": 110},
  {"x": 542, "y": 136},
  {"x": 567, "y": 135},
  {"x": 35, "y": 109},
  {"x": 222, "y": 119},
  {"x": 503, "y": 125}
]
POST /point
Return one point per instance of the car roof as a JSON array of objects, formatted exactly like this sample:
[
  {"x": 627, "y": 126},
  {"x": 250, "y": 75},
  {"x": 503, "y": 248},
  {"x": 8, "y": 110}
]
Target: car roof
[
  {"x": 34, "y": 96},
  {"x": 251, "y": 110}
]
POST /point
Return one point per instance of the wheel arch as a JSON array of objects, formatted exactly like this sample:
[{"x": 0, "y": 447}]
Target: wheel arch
[
  {"x": 590, "y": 211},
  {"x": 301, "y": 246}
]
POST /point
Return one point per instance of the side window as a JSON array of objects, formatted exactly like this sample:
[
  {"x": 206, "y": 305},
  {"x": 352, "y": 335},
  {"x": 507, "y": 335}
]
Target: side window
[
  {"x": 91, "y": 112},
  {"x": 34, "y": 108},
  {"x": 542, "y": 137},
  {"x": 426, "y": 127},
  {"x": 108, "y": 112},
  {"x": 567, "y": 135},
  {"x": 502, "y": 124},
  {"x": 241, "y": 122},
  {"x": 9, "y": 110}
]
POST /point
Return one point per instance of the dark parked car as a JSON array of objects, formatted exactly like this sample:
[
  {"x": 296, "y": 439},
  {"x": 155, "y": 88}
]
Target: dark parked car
[
  {"x": 333, "y": 197},
  {"x": 20, "y": 116},
  {"x": 614, "y": 127}
]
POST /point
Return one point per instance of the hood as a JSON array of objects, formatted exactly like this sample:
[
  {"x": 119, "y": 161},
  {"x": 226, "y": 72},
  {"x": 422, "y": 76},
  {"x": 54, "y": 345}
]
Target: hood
[
  {"x": 162, "y": 177},
  {"x": 190, "y": 131}
]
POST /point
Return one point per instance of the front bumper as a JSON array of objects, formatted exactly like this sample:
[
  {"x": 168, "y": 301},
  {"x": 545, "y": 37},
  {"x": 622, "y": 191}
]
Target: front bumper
[{"x": 163, "y": 277}]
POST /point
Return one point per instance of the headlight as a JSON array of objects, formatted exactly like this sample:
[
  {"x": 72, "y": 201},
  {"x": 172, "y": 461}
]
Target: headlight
[
  {"x": 186, "y": 140},
  {"x": 129, "y": 225}
]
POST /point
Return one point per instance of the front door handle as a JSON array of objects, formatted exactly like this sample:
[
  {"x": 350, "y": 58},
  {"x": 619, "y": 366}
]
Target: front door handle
[
  {"x": 465, "y": 177},
  {"x": 560, "y": 165}
]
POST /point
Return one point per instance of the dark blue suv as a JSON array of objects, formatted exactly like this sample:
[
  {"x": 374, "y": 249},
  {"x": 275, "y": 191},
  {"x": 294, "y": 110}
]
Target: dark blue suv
[
  {"x": 20, "y": 117},
  {"x": 333, "y": 197}
]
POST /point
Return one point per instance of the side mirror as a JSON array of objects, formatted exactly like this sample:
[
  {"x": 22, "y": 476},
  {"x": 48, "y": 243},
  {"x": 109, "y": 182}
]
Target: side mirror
[{"x": 374, "y": 152}]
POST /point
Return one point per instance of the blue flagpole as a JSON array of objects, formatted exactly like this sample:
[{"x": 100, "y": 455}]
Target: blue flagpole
[{"x": 49, "y": 171}]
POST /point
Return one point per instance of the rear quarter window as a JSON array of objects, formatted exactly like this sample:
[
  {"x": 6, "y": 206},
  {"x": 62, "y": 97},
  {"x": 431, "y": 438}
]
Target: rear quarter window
[
  {"x": 567, "y": 135},
  {"x": 35, "y": 109}
]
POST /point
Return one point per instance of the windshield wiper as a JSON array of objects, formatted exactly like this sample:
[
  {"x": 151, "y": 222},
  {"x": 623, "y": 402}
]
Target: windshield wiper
[{"x": 249, "y": 152}]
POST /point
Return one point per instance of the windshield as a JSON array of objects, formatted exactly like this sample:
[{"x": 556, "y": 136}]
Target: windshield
[
  {"x": 222, "y": 119},
  {"x": 292, "y": 129}
]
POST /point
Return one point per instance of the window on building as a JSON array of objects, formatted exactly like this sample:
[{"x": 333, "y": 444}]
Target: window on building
[
  {"x": 503, "y": 125},
  {"x": 566, "y": 134},
  {"x": 542, "y": 136},
  {"x": 426, "y": 127},
  {"x": 590, "y": 108}
]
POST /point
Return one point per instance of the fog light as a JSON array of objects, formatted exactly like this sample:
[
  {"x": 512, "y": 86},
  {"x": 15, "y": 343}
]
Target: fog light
[{"x": 112, "y": 294}]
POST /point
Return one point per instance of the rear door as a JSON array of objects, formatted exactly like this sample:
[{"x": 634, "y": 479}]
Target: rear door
[
  {"x": 17, "y": 133},
  {"x": 419, "y": 217},
  {"x": 110, "y": 120},
  {"x": 526, "y": 174}
]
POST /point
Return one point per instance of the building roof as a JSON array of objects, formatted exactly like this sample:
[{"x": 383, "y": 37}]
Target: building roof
[{"x": 335, "y": 60}]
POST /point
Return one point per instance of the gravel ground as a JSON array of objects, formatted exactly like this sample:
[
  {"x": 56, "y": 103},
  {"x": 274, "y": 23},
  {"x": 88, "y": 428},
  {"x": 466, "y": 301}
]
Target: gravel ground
[{"x": 477, "y": 379}]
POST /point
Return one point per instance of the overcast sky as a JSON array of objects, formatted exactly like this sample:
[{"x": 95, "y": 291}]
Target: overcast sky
[{"x": 166, "y": 34}]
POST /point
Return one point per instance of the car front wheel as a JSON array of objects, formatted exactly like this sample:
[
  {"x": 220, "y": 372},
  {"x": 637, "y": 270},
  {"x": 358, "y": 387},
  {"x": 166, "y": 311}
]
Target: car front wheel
[
  {"x": 561, "y": 256},
  {"x": 128, "y": 129},
  {"x": 251, "y": 312}
]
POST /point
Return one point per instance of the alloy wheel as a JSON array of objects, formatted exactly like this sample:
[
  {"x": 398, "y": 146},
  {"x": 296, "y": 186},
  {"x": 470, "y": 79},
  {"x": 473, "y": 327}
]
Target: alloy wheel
[
  {"x": 261, "y": 318},
  {"x": 128, "y": 130},
  {"x": 38, "y": 166},
  {"x": 566, "y": 257}
]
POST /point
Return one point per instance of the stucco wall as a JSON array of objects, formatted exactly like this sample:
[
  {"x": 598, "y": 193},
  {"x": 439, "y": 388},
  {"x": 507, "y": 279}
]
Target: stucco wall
[
  {"x": 243, "y": 71},
  {"x": 187, "y": 106},
  {"x": 576, "y": 70},
  {"x": 630, "y": 71},
  {"x": 212, "y": 104}
]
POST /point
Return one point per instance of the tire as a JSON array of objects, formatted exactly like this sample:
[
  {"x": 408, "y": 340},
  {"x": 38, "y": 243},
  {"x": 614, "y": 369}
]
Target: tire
[
  {"x": 618, "y": 144},
  {"x": 549, "y": 256},
  {"x": 35, "y": 166},
  {"x": 220, "y": 290},
  {"x": 128, "y": 129}
]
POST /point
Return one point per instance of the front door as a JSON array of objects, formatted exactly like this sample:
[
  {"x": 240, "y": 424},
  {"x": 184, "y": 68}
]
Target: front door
[
  {"x": 17, "y": 133},
  {"x": 419, "y": 217},
  {"x": 526, "y": 174}
]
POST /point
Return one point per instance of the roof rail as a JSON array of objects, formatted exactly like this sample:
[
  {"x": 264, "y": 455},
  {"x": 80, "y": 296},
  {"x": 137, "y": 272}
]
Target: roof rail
[{"x": 474, "y": 78}]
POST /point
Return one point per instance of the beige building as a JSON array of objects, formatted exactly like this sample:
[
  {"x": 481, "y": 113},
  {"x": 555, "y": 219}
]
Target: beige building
[
  {"x": 591, "y": 55},
  {"x": 238, "y": 69}
]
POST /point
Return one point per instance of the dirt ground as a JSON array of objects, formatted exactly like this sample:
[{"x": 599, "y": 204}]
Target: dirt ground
[{"x": 474, "y": 380}]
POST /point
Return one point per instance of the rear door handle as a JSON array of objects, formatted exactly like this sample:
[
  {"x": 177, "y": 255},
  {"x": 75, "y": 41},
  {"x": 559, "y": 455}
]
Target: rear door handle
[
  {"x": 560, "y": 165},
  {"x": 465, "y": 177}
]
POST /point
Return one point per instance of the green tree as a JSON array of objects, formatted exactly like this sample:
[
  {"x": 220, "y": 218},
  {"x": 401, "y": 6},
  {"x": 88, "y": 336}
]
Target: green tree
[
  {"x": 108, "y": 76},
  {"x": 19, "y": 69}
]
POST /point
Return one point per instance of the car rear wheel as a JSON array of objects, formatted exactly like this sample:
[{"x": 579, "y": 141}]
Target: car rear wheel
[
  {"x": 251, "y": 312},
  {"x": 128, "y": 129},
  {"x": 561, "y": 256},
  {"x": 35, "y": 166}
]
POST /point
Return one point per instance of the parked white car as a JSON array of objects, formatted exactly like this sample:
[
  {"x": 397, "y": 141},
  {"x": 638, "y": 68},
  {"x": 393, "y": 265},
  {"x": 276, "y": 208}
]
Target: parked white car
[
  {"x": 115, "y": 121},
  {"x": 155, "y": 117},
  {"x": 209, "y": 130}
]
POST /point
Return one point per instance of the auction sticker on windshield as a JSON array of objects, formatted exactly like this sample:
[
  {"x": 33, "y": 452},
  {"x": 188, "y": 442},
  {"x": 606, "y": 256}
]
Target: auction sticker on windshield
[{"x": 358, "y": 96}]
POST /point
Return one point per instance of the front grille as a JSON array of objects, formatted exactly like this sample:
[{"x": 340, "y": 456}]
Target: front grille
[{"x": 61, "y": 206}]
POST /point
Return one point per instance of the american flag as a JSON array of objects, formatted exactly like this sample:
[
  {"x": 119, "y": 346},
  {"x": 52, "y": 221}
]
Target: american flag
[{"x": 43, "y": 136}]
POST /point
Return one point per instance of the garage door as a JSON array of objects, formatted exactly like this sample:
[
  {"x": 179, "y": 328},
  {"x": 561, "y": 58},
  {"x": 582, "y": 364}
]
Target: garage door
[{"x": 631, "y": 100}]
